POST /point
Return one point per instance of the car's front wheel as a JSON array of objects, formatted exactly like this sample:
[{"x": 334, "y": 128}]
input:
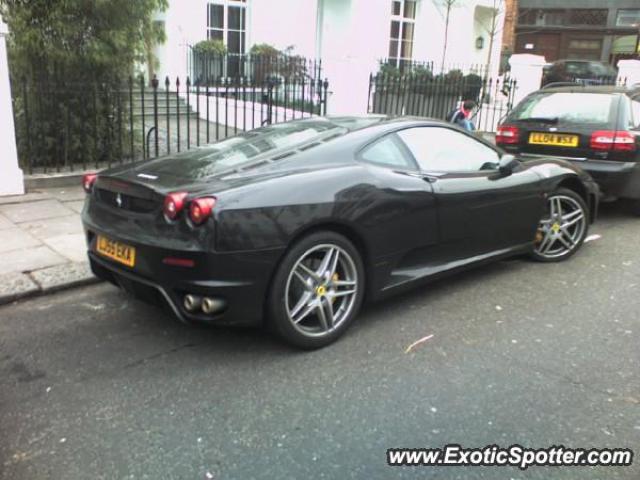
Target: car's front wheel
[
  {"x": 563, "y": 227},
  {"x": 317, "y": 290}
]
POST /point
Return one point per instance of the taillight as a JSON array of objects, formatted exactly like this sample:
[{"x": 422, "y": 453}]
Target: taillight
[
  {"x": 610, "y": 140},
  {"x": 507, "y": 135},
  {"x": 88, "y": 180},
  {"x": 201, "y": 209},
  {"x": 173, "y": 204}
]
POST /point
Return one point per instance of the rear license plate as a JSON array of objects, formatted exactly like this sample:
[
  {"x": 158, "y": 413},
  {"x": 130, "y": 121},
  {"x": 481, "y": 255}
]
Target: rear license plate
[
  {"x": 117, "y": 251},
  {"x": 554, "y": 139}
]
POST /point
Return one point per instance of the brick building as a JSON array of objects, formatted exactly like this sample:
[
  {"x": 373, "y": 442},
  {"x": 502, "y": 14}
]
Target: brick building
[{"x": 573, "y": 29}]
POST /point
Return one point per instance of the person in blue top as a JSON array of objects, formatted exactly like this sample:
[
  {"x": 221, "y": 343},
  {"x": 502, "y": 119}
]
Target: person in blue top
[{"x": 462, "y": 115}]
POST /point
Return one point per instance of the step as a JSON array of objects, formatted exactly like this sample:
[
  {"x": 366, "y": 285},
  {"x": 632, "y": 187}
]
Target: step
[
  {"x": 173, "y": 116},
  {"x": 163, "y": 113}
]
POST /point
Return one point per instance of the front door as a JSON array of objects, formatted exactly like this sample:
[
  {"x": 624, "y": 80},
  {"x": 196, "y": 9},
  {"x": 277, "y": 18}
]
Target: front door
[
  {"x": 545, "y": 44},
  {"x": 480, "y": 213}
]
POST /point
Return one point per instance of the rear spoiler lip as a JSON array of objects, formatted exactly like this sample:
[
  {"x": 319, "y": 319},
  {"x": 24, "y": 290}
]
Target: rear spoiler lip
[
  {"x": 147, "y": 188},
  {"x": 127, "y": 187}
]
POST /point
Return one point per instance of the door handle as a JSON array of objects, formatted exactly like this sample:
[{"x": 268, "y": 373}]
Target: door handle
[
  {"x": 430, "y": 178},
  {"x": 421, "y": 176}
]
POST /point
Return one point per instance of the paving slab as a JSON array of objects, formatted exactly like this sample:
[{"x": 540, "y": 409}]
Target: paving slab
[
  {"x": 66, "y": 194},
  {"x": 5, "y": 222},
  {"x": 71, "y": 246},
  {"x": 42, "y": 243},
  {"x": 15, "y": 238},
  {"x": 53, "y": 227},
  {"x": 16, "y": 285},
  {"x": 76, "y": 206},
  {"x": 26, "y": 198},
  {"x": 28, "y": 212},
  {"x": 67, "y": 275},
  {"x": 29, "y": 259}
]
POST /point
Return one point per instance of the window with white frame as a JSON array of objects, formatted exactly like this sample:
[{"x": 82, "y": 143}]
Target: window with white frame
[
  {"x": 227, "y": 21},
  {"x": 628, "y": 17},
  {"x": 403, "y": 21}
]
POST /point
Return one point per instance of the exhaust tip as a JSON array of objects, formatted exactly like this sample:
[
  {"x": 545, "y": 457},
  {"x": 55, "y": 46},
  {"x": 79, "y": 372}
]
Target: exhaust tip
[
  {"x": 192, "y": 302},
  {"x": 212, "y": 305}
]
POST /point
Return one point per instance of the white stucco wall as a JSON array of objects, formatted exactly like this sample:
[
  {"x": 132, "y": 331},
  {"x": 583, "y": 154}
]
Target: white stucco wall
[
  {"x": 11, "y": 179},
  {"x": 284, "y": 23},
  {"x": 185, "y": 24},
  {"x": 467, "y": 21},
  {"x": 355, "y": 34},
  {"x": 428, "y": 41},
  {"x": 349, "y": 36},
  {"x": 483, "y": 16},
  {"x": 281, "y": 23}
]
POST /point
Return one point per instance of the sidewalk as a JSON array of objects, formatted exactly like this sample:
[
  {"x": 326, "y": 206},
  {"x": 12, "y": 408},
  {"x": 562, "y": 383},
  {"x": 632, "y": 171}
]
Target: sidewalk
[{"x": 42, "y": 246}]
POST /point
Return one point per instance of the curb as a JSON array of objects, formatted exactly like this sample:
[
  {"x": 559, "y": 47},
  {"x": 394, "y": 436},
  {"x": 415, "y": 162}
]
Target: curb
[
  {"x": 20, "y": 286},
  {"x": 55, "y": 180}
]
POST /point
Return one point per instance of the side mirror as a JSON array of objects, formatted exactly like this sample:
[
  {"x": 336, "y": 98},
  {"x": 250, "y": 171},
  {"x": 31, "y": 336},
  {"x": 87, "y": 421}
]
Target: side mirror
[{"x": 508, "y": 163}]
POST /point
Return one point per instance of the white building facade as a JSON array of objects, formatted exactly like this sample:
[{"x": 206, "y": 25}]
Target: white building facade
[{"x": 350, "y": 36}]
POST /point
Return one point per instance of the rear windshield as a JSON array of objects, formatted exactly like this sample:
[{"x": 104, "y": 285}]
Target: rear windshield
[
  {"x": 567, "y": 107},
  {"x": 241, "y": 150}
]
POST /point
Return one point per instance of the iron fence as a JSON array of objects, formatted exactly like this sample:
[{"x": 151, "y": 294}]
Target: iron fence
[
  {"x": 205, "y": 68},
  {"x": 418, "y": 67},
  {"x": 64, "y": 125},
  {"x": 437, "y": 96}
]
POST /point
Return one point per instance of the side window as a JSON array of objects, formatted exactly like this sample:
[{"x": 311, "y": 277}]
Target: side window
[
  {"x": 387, "y": 153},
  {"x": 597, "y": 69},
  {"x": 577, "y": 68},
  {"x": 635, "y": 112},
  {"x": 438, "y": 149}
]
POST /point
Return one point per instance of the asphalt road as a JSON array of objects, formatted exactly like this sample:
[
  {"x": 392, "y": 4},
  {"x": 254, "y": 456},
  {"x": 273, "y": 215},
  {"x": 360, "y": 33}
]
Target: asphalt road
[{"x": 96, "y": 385}]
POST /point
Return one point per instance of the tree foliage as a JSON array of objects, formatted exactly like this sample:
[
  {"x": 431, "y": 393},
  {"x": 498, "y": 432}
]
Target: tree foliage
[
  {"x": 210, "y": 47},
  {"x": 270, "y": 62},
  {"x": 69, "y": 62},
  {"x": 264, "y": 49},
  {"x": 101, "y": 37}
]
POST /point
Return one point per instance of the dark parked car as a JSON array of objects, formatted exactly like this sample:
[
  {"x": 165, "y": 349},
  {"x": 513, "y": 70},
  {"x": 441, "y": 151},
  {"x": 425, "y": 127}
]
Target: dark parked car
[
  {"x": 585, "y": 72},
  {"x": 596, "y": 128},
  {"x": 298, "y": 223}
]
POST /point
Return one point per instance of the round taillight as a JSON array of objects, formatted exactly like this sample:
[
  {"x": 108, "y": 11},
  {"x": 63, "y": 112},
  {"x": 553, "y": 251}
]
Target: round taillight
[
  {"x": 201, "y": 209},
  {"x": 173, "y": 204},
  {"x": 88, "y": 180}
]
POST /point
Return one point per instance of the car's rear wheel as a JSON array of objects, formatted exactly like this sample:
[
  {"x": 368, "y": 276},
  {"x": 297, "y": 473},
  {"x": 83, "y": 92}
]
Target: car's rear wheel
[
  {"x": 317, "y": 290},
  {"x": 563, "y": 227}
]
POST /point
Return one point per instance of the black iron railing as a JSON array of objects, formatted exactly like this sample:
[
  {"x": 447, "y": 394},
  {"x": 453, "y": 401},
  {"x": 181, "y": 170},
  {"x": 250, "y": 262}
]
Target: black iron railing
[
  {"x": 207, "y": 67},
  {"x": 417, "y": 67},
  {"x": 426, "y": 95},
  {"x": 67, "y": 125}
]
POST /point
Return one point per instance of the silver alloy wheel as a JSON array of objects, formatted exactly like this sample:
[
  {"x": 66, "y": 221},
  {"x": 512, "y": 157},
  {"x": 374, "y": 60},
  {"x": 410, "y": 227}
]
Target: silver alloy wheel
[
  {"x": 561, "y": 230},
  {"x": 321, "y": 290}
]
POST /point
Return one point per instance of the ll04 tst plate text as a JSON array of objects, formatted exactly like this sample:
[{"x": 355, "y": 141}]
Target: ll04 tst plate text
[
  {"x": 554, "y": 139},
  {"x": 117, "y": 251}
]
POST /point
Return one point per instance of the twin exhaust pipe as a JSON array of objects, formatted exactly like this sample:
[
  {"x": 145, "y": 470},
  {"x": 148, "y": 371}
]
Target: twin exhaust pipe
[{"x": 207, "y": 305}]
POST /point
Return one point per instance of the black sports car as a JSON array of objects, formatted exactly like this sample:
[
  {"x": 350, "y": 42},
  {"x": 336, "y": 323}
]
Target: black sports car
[{"x": 299, "y": 223}]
